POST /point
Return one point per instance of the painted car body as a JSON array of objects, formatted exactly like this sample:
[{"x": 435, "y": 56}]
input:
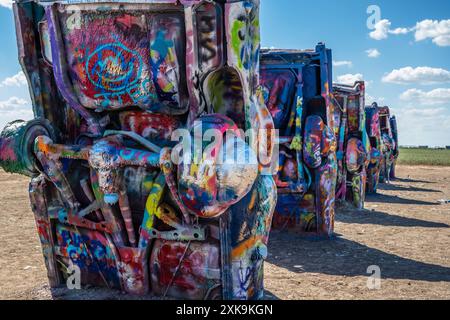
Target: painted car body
[
  {"x": 376, "y": 148},
  {"x": 111, "y": 82},
  {"x": 394, "y": 128},
  {"x": 298, "y": 95},
  {"x": 389, "y": 144},
  {"x": 353, "y": 142}
]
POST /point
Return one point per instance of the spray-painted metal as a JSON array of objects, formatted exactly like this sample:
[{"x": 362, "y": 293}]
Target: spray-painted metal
[
  {"x": 353, "y": 142},
  {"x": 394, "y": 129},
  {"x": 111, "y": 82},
  {"x": 383, "y": 135},
  {"x": 376, "y": 148},
  {"x": 16, "y": 139},
  {"x": 389, "y": 144},
  {"x": 298, "y": 94}
]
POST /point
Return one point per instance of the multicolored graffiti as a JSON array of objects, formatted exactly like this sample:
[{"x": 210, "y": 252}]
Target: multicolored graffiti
[
  {"x": 394, "y": 129},
  {"x": 151, "y": 152},
  {"x": 297, "y": 85},
  {"x": 353, "y": 142},
  {"x": 376, "y": 148},
  {"x": 390, "y": 148},
  {"x": 111, "y": 86}
]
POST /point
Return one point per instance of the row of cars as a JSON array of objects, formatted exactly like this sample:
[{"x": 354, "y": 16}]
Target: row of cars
[
  {"x": 112, "y": 83},
  {"x": 370, "y": 136},
  {"x": 333, "y": 146}
]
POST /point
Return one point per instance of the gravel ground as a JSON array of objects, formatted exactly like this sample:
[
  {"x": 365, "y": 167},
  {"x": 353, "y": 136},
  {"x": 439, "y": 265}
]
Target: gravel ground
[{"x": 403, "y": 230}]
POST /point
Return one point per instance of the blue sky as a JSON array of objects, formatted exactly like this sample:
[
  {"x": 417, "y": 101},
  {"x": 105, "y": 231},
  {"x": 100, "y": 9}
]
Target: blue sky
[{"x": 408, "y": 67}]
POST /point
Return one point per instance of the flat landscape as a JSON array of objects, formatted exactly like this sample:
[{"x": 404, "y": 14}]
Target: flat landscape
[
  {"x": 416, "y": 156},
  {"x": 404, "y": 230}
]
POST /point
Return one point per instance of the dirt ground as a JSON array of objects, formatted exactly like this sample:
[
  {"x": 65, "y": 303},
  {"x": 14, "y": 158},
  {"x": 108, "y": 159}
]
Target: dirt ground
[{"x": 403, "y": 230}]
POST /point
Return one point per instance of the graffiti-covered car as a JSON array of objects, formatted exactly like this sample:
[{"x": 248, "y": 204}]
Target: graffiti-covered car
[
  {"x": 113, "y": 193},
  {"x": 376, "y": 148},
  {"x": 389, "y": 144},
  {"x": 394, "y": 128},
  {"x": 297, "y": 85},
  {"x": 353, "y": 143}
]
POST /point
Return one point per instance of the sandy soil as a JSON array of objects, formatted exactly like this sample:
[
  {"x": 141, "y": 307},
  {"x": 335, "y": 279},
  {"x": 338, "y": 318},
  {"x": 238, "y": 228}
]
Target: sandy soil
[{"x": 404, "y": 231}]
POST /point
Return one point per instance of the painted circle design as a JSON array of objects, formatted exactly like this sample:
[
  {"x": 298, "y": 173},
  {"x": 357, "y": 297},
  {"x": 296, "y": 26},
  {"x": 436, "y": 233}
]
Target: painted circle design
[{"x": 114, "y": 67}]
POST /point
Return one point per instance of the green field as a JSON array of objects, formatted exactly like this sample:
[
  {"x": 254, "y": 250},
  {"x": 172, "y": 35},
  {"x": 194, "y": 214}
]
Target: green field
[{"x": 430, "y": 157}]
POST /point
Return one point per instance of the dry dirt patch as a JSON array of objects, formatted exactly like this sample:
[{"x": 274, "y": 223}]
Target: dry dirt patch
[{"x": 404, "y": 231}]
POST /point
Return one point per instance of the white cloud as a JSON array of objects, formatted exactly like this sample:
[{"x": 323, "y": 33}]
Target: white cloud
[
  {"x": 420, "y": 75},
  {"x": 428, "y": 112},
  {"x": 343, "y": 63},
  {"x": 442, "y": 41},
  {"x": 371, "y": 99},
  {"x": 423, "y": 126},
  {"x": 433, "y": 97},
  {"x": 383, "y": 29},
  {"x": 373, "y": 53},
  {"x": 6, "y": 3},
  {"x": 350, "y": 78},
  {"x": 13, "y": 103},
  {"x": 438, "y": 31},
  {"x": 16, "y": 80},
  {"x": 14, "y": 108},
  {"x": 398, "y": 31}
]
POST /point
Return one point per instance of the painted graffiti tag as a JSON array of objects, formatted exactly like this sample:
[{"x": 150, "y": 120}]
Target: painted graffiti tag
[
  {"x": 114, "y": 67},
  {"x": 115, "y": 71}
]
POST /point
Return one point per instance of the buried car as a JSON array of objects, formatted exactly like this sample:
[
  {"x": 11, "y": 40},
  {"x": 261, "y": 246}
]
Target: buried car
[
  {"x": 112, "y": 83},
  {"x": 394, "y": 128},
  {"x": 376, "y": 148},
  {"x": 390, "y": 148},
  {"x": 297, "y": 85},
  {"x": 353, "y": 148}
]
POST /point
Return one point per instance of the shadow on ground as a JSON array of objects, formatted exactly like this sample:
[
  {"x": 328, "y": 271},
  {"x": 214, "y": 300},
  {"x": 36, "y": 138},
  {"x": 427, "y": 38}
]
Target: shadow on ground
[
  {"x": 408, "y": 180},
  {"x": 397, "y": 200},
  {"x": 384, "y": 219},
  {"x": 342, "y": 257},
  {"x": 393, "y": 187},
  {"x": 270, "y": 296}
]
